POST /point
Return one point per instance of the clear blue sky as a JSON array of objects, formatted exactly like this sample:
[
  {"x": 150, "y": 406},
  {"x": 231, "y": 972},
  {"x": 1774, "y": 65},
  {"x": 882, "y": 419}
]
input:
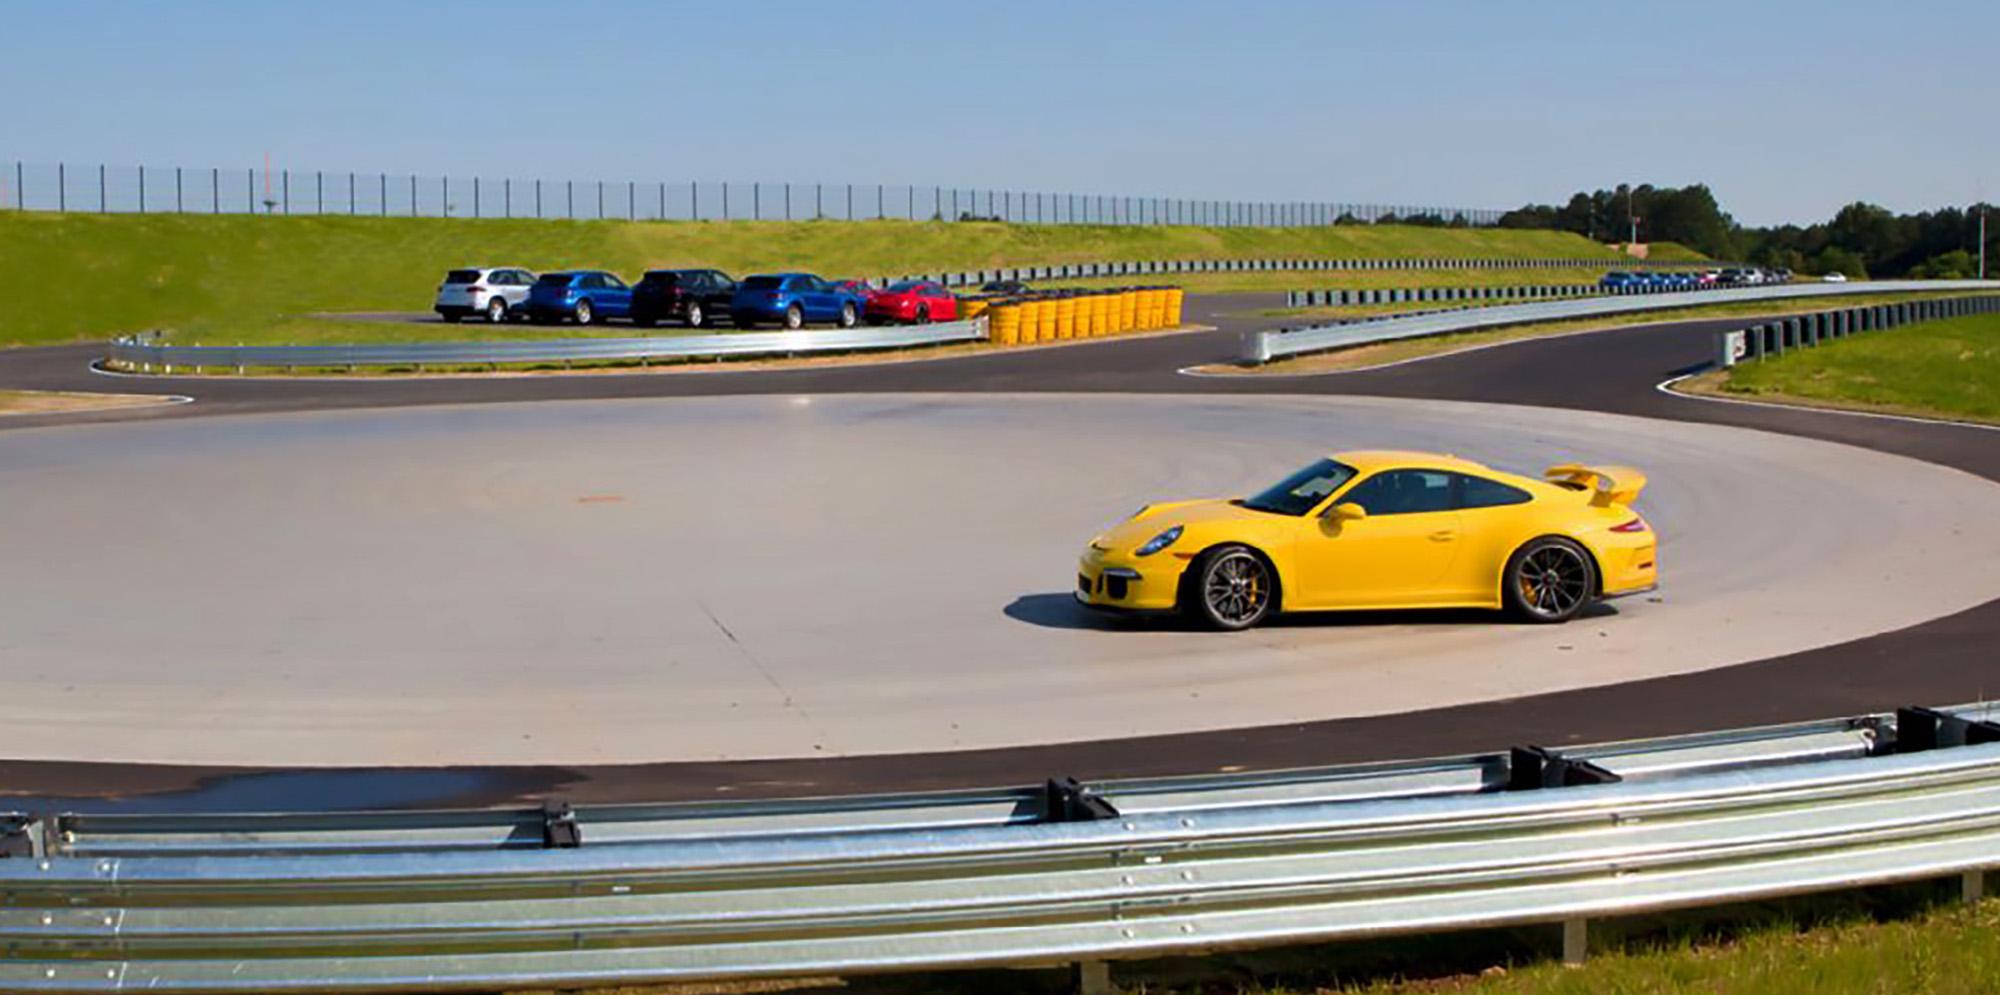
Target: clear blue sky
[{"x": 1787, "y": 109}]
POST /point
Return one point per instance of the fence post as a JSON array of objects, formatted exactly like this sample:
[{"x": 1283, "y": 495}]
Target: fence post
[
  {"x": 600, "y": 200},
  {"x": 100, "y": 189},
  {"x": 142, "y": 189},
  {"x": 631, "y": 200}
]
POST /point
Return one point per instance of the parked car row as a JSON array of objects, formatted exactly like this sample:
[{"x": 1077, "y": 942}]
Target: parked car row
[
  {"x": 1699, "y": 279},
  {"x": 695, "y": 298}
]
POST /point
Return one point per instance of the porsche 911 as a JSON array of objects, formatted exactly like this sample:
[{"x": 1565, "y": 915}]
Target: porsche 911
[{"x": 1382, "y": 530}]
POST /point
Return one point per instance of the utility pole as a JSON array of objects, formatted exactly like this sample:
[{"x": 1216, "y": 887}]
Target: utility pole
[{"x": 1982, "y": 240}]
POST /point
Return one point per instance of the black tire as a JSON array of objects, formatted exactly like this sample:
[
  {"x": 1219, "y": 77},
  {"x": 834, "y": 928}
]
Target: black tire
[
  {"x": 848, "y": 316},
  {"x": 795, "y": 318},
  {"x": 924, "y": 315},
  {"x": 496, "y": 311},
  {"x": 1548, "y": 581},
  {"x": 1233, "y": 589},
  {"x": 585, "y": 314},
  {"x": 695, "y": 316}
]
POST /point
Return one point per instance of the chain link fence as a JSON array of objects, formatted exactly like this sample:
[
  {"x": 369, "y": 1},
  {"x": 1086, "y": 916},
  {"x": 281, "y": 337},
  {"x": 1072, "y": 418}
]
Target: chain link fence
[{"x": 101, "y": 188}]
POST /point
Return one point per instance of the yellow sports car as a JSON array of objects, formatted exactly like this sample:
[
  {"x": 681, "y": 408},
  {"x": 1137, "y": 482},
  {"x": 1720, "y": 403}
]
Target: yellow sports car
[{"x": 1382, "y": 530}]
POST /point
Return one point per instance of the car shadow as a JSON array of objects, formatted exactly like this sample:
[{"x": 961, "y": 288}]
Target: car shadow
[{"x": 1061, "y": 611}]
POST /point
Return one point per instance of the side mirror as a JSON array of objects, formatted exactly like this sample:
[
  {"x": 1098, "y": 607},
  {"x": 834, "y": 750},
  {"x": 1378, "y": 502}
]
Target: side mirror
[{"x": 1348, "y": 511}]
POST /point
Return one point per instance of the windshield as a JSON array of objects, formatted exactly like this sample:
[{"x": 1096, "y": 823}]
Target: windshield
[{"x": 1302, "y": 491}]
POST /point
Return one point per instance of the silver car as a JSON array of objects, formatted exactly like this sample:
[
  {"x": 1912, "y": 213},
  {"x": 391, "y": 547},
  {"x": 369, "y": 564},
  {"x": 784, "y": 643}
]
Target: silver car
[{"x": 492, "y": 291}]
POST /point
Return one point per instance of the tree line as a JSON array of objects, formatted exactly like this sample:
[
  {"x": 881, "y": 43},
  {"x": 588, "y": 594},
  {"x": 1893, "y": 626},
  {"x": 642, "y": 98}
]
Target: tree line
[{"x": 1862, "y": 239}]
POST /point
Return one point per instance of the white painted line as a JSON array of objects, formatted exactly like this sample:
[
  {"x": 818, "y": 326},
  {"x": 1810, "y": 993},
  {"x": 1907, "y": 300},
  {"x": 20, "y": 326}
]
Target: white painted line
[{"x": 1667, "y": 387}]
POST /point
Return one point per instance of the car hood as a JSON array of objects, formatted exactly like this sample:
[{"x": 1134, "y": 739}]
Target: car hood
[{"x": 1196, "y": 517}]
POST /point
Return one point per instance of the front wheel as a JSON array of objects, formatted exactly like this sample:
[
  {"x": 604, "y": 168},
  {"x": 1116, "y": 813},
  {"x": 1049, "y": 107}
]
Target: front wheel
[
  {"x": 847, "y": 316},
  {"x": 795, "y": 318},
  {"x": 923, "y": 316},
  {"x": 1233, "y": 589},
  {"x": 694, "y": 318},
  {"x": 1548, "y": 580},
  {"x": 496, "y": 311},
  {"x": 583, "y": 312}
]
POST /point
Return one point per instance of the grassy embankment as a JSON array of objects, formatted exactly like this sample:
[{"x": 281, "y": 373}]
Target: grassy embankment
[
  {"x": 235, "y": 279},
  {"x": 1362, "y": 357},
  {"x": 1939, "y": 369}
]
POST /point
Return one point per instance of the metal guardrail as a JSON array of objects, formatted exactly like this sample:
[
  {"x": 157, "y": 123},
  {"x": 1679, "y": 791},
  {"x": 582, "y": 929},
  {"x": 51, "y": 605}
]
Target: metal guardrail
[
  {"x": 1338, "y": 297},
  {"x": 1063, "y": 873},
  {"x": 1804, "y": 331},
  {"x": 1263, "y": 347},
  {"x": 1168, "y": 267},
  {"x": 140, "y": 354}
]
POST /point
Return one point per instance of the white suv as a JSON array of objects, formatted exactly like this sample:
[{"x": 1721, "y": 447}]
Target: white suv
[{"x": 492, "y": 291}]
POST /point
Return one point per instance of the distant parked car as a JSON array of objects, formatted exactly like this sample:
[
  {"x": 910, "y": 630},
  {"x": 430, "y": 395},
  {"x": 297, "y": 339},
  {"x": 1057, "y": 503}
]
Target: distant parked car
[
  {"x": 494, "y": 291},
  {"x": 1006, "y": 287},
  {"x": 859, "y": 288},
  {"x": 912, "y": 301},
  {"x": 1708, "y": 278},
  {"x": 694, "y": 297},
  {"x": 583, "y": 296},
  {"x": 1834, "y": 278},
  {"x": 792, "y": 299},
  {"x": 1619, "y": 278},
  {"x": 1781, "y": 275}
]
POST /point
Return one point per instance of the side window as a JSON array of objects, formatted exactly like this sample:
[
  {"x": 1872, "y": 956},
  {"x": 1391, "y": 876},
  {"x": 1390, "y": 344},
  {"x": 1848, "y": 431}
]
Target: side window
[
  {"x": 594, "y": 281},
  {"x": 1479, "y": 492},
  {"x": 610, "y": 282},
  {"x": 1402, "y": 492}
]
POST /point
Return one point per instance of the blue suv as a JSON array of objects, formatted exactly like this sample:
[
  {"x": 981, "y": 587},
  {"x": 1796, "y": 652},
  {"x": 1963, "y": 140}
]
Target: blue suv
[
  {"x": 792, "y": 299},
  {"x": 582, "y": 296},
  {"x": 1619, "y": 279}
]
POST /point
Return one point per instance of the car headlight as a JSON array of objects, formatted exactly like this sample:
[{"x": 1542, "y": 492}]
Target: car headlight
[{"x": 1160, "y": 542}]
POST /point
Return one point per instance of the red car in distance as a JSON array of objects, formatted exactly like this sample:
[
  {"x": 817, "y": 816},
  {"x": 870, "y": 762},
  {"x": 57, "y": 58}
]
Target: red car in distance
[{"x": 912, "y": 302}]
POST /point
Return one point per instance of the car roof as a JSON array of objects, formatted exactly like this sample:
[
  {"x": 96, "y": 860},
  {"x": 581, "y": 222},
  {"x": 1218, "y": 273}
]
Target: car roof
[{"x": 1369, "y": 460}]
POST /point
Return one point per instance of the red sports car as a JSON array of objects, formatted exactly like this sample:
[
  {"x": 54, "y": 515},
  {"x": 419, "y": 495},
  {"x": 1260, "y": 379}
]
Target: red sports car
[{"x": 912, "y": 301}]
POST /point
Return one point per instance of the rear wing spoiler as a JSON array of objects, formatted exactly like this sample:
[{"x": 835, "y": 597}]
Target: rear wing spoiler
[{"x": 1608, "y": 485}]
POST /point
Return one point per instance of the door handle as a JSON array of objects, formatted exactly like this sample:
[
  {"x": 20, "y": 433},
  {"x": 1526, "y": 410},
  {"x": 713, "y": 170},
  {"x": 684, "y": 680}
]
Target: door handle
[{"x": 1444, "y": 535}]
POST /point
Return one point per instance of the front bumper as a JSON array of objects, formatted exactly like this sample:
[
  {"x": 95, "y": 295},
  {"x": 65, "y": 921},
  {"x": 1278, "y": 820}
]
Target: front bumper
[{"x": 1116, "y": 584}]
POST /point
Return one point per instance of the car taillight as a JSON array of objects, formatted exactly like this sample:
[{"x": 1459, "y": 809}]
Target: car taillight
[{"x": 1635, "y": 525}]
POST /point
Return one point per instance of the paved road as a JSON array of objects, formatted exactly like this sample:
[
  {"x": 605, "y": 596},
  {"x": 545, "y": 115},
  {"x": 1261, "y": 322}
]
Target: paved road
[{"x": 1940, "y": 661}]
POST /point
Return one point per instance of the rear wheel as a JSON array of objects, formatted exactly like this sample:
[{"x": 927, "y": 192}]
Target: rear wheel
[
  {"x": 847, "y": 316},
  {"x": 924, "y": 315},
  {"x": 1233, "y": 589},
  {"x": 584, "y": 312},
  {"x": 795, "y": 318},
  {"x": 1548, "y": 580},
  {"x": 496, "y": 311},
  {"x": 694, "y": 317}
]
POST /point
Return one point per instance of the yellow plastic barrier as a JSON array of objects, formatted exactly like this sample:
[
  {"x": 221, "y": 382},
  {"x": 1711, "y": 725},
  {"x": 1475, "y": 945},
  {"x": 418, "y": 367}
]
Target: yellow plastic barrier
[
  {"x": 1031, "y": 321},
  {"x": 1066, "y": 318},
  {"x": 1159, "y": 307},
  {"x": 1149, "y": 309},
  {"x": 972, "y": 307},
  {"x": 1089, "y": 316},
  {"x": 1045, "y": 322},
  {"x": 1174, "y": 297},
  {"x": 1004, "y": 325},
  {"x": 1128, "y": 311}
]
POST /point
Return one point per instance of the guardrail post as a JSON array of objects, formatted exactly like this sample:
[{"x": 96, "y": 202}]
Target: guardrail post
[
  {"x": 1576, "y": 941},
  {"x": 1972, "y": 885},
  {"x": 1093, "y": 977}
]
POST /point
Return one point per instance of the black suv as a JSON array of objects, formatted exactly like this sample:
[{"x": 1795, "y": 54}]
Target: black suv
[{"x": 695, "y": 297}]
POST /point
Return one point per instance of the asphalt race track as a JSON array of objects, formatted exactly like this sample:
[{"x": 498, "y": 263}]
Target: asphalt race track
[{"x": 565, "y": 594}]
